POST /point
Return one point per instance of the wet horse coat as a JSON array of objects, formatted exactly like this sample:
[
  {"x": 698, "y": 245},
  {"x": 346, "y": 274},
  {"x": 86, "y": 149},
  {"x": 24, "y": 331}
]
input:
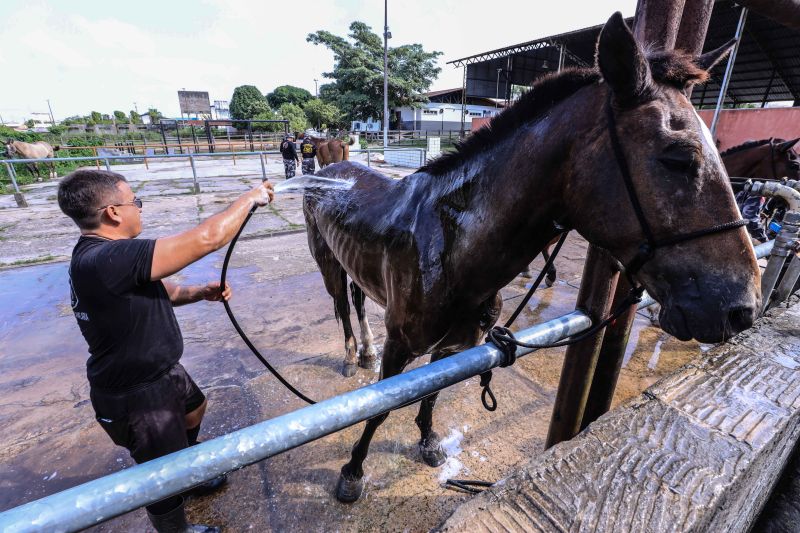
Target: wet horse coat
[{"x": 435, "y": 248}]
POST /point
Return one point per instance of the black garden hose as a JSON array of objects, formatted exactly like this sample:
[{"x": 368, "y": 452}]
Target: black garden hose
[{"x": 236, "y": 324}]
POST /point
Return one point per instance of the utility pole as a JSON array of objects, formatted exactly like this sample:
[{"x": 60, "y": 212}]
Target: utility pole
[
  {"x": 497, "y": 89},
  {"x": 52, "y": 120},
  {"x": 136, "y": 108},
  {"x": 316, "y": 88},
  {"x": 386, "y": 37}
]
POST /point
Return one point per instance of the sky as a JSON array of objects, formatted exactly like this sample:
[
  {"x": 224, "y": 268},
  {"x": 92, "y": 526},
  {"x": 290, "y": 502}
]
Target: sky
[{"x": 102, "y": 55}]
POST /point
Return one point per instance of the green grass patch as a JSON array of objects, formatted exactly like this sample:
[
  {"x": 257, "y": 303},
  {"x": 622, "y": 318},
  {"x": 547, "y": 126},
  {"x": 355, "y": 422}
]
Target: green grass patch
[{"x": 31, "y": 261}]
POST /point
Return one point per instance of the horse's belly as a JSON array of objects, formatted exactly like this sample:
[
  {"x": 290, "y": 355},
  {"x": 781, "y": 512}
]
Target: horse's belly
[{"x": 363, "y": 263}]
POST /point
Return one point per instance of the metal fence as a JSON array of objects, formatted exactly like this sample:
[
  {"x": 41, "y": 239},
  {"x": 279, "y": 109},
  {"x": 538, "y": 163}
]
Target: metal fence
[{"x": 108, "y": 159}]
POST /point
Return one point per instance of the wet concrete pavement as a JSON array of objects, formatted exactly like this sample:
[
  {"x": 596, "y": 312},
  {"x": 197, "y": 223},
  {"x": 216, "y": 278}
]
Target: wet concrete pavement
[{"x": 50, "y": 440}]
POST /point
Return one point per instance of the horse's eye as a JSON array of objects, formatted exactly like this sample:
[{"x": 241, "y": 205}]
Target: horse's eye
[{"x": 681, "y": 162}]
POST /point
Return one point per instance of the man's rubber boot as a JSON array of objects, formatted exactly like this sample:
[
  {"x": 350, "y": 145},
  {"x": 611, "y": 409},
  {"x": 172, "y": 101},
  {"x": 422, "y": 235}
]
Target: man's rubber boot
[{"x": 174, "y": 521}]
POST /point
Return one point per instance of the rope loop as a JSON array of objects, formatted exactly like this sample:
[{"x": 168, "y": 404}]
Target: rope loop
[
  {"x": 486, "y": 380},
  {"x": 503, "y": 338}
]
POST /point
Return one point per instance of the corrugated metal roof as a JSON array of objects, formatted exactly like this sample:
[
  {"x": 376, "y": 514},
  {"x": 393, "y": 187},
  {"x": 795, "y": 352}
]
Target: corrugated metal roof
[{"x": 767, "y": 66}]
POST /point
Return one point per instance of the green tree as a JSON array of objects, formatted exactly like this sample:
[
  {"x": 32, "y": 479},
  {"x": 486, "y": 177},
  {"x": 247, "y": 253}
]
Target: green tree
[
  {"x": 96, "y": 117},
  {"x": 30, "y": 123},
  {"x": 322, "y": 115},
  {"x": 135, "y": 117},
  {"x": 269, "y": 114},
  {"x": 295, "y": 115},
  {"x": 120, "y": 117},
  {"x": 288, "y": 94},
  {"x": 155, "y": 115},
  {"x": 247, "y": 102},
  {"x": 358, "y": 72}
]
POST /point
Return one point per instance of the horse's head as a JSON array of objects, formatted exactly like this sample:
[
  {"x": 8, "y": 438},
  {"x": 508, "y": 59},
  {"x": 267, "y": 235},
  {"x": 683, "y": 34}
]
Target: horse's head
[
  {"x": 708, "y": 285},
  {"x": 785, "y": 161},
  {"x": 11, "y": 150}
]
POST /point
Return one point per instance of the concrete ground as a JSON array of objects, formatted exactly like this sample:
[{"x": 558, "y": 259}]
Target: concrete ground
[{"x": 51, "y": 442}]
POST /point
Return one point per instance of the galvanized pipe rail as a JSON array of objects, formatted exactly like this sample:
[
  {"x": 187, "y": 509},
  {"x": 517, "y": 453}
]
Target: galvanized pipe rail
[
  {"x": 20, "y": 199},
  {"x": 109, "y": 496}
]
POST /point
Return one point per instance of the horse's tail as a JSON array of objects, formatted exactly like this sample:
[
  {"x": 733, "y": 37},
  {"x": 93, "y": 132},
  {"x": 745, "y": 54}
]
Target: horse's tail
[
  {"x": 352, "y": 141},
  {"x": 346, "y": 151}
]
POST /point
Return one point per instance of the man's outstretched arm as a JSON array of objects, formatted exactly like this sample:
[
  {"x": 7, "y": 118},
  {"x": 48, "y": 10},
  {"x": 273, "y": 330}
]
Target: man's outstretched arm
[{"x": 174, "y": 253}]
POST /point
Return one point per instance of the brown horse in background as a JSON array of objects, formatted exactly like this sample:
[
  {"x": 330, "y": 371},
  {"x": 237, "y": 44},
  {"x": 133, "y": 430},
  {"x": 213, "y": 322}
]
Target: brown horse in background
[
  {"x": 435, "y": 248},
  {"x": 37, "y": 150},
  {"x": 331, "y": 151}
]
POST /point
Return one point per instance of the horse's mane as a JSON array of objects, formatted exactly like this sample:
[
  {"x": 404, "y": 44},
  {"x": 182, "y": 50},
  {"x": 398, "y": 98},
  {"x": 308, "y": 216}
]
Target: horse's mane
[
  {"x": 749, "y": 144},
  {"x": 674, "y": 68}
]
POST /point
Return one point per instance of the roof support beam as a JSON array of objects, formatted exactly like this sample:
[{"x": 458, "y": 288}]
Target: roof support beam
[{"x": 776, "y": 65}]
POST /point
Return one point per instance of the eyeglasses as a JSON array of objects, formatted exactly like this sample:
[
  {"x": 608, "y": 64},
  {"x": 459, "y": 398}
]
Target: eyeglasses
[{"x": 136, "y": 201}]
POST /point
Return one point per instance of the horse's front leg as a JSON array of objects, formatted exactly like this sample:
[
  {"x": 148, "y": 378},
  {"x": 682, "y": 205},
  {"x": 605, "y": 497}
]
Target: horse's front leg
[
  {"x": 395, "y": 358},
  {"x": 430, "y": 445},
  {"x": 368, "y": 354}
]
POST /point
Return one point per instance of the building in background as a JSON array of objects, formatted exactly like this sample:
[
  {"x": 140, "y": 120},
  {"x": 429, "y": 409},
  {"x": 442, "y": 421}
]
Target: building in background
[
  {"x": 443, "y": 112},
  {"x": 221, "y": 110}
]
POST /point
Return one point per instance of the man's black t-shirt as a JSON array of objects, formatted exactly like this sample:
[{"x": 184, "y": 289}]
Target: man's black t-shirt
[{"x": 126, "y": 319}]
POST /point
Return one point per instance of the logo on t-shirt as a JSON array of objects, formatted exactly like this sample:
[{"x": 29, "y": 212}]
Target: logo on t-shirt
[{"x": 73, "y": 297}]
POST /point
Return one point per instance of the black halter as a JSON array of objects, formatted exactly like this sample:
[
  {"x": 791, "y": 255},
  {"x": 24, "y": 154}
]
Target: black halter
[
  {"x": 648, "y": 248},
  {"x": 772, "y": 158}
]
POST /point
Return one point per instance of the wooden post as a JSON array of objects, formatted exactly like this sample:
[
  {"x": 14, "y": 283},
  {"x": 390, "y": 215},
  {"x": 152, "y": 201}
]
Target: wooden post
[
  {"x": 657, "y": 22},
  {"x": 96, "y": 161},
  {"x": 609, "y": 360},
  {"x": 597, "y": 287}
]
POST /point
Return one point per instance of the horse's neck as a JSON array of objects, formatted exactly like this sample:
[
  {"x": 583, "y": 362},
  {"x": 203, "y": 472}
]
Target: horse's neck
[
  {"x": 755, "y": 162},
  {"x": 510, "y": 195}
]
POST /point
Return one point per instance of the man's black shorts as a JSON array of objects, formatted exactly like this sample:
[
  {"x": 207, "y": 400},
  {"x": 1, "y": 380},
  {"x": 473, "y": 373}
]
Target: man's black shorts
[{"x": 148, "y": 419}]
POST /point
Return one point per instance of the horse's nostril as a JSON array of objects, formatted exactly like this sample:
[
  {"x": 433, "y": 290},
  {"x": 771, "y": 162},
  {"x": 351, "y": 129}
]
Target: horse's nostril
[{"x": 741, "y": 318}]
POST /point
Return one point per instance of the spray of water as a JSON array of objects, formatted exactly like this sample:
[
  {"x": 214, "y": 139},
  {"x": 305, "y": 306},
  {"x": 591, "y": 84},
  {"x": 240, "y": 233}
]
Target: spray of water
[{"x": 303, "y": 183}]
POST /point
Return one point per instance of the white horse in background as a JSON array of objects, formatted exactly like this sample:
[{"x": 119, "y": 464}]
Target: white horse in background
[{"x": 37, "y": 150}]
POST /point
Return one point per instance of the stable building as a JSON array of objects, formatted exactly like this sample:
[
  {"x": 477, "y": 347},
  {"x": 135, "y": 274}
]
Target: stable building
[{"x": 443, "y": 111}]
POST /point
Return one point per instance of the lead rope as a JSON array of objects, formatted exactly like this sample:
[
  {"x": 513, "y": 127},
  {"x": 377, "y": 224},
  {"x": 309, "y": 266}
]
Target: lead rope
[{"x": 236, "y": 324}]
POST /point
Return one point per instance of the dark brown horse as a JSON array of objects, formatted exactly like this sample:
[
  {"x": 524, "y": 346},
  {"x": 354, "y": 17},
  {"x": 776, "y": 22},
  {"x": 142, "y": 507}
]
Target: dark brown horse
[
  {"x": 767, "y": 159},
  {"x": 435, "y": 248}
]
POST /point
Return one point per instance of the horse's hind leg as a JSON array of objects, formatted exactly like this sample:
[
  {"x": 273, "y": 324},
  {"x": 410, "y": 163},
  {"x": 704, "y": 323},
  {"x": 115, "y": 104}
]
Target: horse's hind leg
[
  {"x": 335, "y": 279},
  {"x": 337, "y": 288},
  {"x": 350, "y": 485},
  {"x": 368, "y": 354},
  {"x": 430, "y": 444}
]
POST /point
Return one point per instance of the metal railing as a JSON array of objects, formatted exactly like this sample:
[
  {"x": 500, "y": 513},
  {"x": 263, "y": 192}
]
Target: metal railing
[
  {"x": 109, "y": 496},
  {"x": 107, "y": 159}
]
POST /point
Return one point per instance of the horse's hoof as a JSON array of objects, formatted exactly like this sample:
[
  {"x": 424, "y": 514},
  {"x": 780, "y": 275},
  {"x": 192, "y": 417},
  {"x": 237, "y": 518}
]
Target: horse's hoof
[
  {"x": 526, "y": 274},
  {"x": 348, "y": 490},
  {"x": 367, "y": 362},
  {"x": 348, "y": 369},
  {"x": 432, "y": 453},
  {"x": 549, "y": 282}
]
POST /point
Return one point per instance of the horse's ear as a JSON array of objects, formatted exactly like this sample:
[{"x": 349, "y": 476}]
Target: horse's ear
[
  {"x": 622, "y": 62},
  {"x": 787, "y": 145},
  {"x": 709, "y": 59}
]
